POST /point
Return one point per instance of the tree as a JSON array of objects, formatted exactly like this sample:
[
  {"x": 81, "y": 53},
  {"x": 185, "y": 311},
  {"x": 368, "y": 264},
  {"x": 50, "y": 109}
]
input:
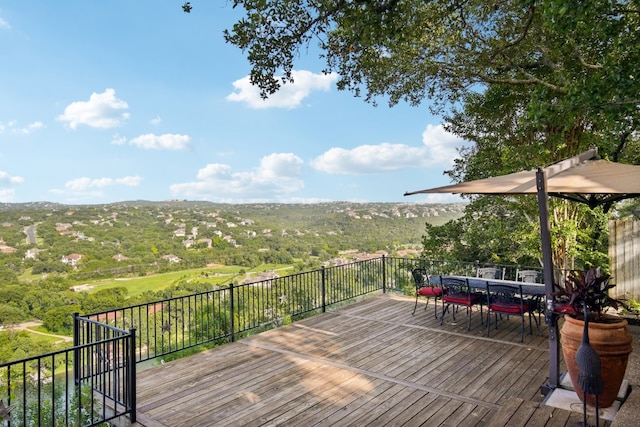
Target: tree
[
  {"x": 105, "y": 299},
  {"x": 535, "y": 81},
  {"x": 507, "y": 141},
  {"x": 582, "y": 53},
  {"x": 10, "y": 315},
  {"x": 60, "y": 319}
]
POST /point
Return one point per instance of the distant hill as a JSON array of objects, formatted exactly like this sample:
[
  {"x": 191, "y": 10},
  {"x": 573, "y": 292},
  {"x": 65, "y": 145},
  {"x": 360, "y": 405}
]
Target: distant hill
[{"x": 44, "y": 237}]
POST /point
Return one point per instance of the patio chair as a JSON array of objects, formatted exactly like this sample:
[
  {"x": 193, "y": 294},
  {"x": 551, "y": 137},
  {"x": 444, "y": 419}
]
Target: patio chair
[
  {"x": 426, "y": 289},
  {"x": 530, "y": 276},
  {"x": 457, "y": 293},
  {"x": 509, "y": 300},
  {"x": 489, "y": 273}
]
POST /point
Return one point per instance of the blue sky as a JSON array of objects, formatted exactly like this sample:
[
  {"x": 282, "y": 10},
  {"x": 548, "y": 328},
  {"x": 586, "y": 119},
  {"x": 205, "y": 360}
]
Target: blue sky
[{"x": 107, "y": 101}]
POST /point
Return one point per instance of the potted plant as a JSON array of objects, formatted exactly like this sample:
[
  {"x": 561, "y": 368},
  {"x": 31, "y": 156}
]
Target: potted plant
[{"x": 608, "y": 333}]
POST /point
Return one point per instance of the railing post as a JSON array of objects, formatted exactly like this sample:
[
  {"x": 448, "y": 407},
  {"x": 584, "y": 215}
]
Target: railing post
[
  {"x": 232, "y": 325},
  {"x": 132, "y": 374},
  {"x": 76, "y": 351},
  {"x": 323, "y": 289},
  {"x": 384, "y": 274}
]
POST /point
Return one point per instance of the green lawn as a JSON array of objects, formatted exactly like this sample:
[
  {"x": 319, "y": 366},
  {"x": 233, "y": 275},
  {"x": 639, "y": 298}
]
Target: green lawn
[{"x": 157, "y": 282}]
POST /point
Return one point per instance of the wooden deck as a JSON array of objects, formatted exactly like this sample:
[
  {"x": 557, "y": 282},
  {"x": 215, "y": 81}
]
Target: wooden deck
[{"x": 367, "y": 364}]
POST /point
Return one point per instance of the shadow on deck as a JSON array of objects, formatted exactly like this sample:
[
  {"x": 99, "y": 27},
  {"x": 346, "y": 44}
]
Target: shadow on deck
[{"x": 369, "y": 363}]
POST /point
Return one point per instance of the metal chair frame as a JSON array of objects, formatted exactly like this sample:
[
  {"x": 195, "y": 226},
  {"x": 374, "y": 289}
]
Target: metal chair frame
[
  {"x": 426, "y": 289},
  {"x": 457, "y": 292},
  {"x": 509, "y": 300}
]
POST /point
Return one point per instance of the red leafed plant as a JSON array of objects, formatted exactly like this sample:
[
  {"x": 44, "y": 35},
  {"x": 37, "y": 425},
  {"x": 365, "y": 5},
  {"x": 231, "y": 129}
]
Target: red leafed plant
[{"x": 590, "y": 287}]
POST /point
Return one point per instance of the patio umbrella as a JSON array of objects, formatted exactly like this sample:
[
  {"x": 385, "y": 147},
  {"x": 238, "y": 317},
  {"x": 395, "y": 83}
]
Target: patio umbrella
[{"x": 583, "y": 178}]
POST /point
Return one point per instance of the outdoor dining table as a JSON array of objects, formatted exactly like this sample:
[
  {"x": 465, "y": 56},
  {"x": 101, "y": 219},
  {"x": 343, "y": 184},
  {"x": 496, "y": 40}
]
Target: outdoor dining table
[
  {"x": 535, "y": 291},
  {"x": 528, "y": 288}
]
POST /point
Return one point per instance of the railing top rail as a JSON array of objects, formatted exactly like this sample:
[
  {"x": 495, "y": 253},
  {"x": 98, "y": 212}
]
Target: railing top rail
[
  {"x": 162, "y": 301},
  {"x": 64, "y": 350},
  {"x": 104, "y": 325},
  {"x": 224, "y": 288}
]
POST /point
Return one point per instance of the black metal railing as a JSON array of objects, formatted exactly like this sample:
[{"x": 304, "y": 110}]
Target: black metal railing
[
  {"x": 94, "y": 381},
  {"x": 220, "y": 315},
  {"x": 104, "y": 361},
  {"x": 85, "y": 385}
]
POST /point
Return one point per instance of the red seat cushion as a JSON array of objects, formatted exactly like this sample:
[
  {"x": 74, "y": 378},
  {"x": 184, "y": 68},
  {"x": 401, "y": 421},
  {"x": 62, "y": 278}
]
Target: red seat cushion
[
  {"x": 430, "y": 291},
  {"x": 509, "y": 308},
  {"x": 461, "y": 299}
]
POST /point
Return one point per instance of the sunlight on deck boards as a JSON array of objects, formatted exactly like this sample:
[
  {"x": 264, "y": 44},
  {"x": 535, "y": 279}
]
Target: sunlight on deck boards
[{"x": 369, "y": 363}]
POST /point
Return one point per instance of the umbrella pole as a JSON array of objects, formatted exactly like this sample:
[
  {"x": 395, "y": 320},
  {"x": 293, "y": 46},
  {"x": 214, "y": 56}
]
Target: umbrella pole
[{"x": 551, "y": 318}]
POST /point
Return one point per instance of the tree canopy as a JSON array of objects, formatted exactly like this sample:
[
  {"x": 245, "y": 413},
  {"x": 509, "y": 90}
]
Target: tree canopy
[
  {"x": 530, "y": 82},
  {"x": 583, "y": 54}
]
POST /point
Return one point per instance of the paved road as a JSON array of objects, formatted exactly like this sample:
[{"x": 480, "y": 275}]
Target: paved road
[
  {"x": 26, "y": 325},
  {"x": 30, "y": 231}
]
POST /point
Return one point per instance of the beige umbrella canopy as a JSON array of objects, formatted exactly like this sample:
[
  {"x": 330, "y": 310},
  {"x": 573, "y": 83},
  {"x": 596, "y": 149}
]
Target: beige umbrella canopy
[{"x": 582, "y": 178}]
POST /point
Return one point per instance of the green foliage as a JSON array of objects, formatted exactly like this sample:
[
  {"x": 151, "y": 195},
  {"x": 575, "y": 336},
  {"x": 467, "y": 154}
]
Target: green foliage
[
  {"x": 582, "y": 54},
  {"x": 530, "y": 83},
  {"x": 10, "y": 315},
  {"x": 60, "y": 319},
  {"x": 16, "y": 345}
]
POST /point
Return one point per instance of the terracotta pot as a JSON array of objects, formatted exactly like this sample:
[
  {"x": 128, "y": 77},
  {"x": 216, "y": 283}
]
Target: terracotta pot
[{"x": 611, "y": 340}]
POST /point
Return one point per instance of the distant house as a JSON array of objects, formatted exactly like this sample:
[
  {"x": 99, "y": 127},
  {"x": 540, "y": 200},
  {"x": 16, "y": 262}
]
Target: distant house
[
  {"x": 71, "y": 259},
  {"x": 120, "y": 257},
  {"x": 366, "y": 256},
  {"x": 81, "y": 288},
  {"x": 335, "y": 262},
  {"x": 7, "y": 249},
  {"x": 63, "y": 227},
  {"x": 32, "y": 253},
  {"x": 265, "y": 278},
  {"x": 409, "y": 252},
  {"x": 170, "y": 258}
]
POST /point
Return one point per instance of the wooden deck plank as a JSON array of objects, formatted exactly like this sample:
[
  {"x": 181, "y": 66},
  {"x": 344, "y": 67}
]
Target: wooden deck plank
[
  {"x": 369, "y": 363},
  {"x": 384, "y": 404}
]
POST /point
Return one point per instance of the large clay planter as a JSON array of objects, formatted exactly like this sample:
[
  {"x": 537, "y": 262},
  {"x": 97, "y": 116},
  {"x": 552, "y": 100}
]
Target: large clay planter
[{"x": 612, "y": 342}]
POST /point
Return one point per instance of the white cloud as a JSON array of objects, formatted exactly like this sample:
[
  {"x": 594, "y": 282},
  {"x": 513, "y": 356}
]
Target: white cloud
[
  {"x": 4, "y": 176},
  {"x": 4, "y": 24},
  {"x": 6, "y": 195},
  {"x": 277, "y": 177},
  {"x": 118, "y": 140},
  {"x": 443, "y": 198},
  {"x": 103, "y": 110},
  {"x": 441, "y": 145},
  {"x": 289, "y": 95},
  {"x": 31, "y": 127},
  {"x": 12, "y": 126},
  {"x": 439, "y": 148},
  {"x": 6, "y": 183},
  {"x": 156, "y": 121},
  {"x": 167, "y": 141},
  {"x": 84, "y": 183}
]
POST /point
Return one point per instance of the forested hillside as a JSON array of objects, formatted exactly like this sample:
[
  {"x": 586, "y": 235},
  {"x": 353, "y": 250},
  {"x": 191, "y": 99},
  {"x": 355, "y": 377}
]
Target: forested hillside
[{"x": 37, "y": 237}]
